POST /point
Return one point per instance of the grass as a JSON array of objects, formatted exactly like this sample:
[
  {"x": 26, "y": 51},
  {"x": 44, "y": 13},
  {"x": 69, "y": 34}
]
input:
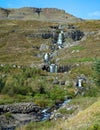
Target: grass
[
  {"x": 16, "y": 48},
  {"x": 89, "y": 25},
  {"x": 78, "y": 47},
  {"x": 16, "y": 44},
  {"x": 84, "y": 118},
  {"x": 39, "y": 126},
  {"x": 5, "y": 99},
  {"x": 84, "y": 102},
  {"x": 78, "y": 60}
]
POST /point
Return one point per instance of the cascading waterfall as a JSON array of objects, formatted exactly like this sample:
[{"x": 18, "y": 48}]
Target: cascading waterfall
[{"x": 60, "y": 40}]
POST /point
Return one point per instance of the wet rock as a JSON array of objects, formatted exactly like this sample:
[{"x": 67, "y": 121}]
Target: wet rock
[{"x": 45, "y": 67}]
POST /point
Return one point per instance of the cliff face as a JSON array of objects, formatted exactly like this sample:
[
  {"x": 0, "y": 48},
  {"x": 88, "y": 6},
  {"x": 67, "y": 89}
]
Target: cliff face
[{"x": 45, "y": 14}]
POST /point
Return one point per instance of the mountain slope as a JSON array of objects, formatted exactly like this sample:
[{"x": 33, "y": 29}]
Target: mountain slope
[
  {"x": 88, "y": 118},
  {"x": 18, "y": 37},
  {"x": 44, "y": 14}
]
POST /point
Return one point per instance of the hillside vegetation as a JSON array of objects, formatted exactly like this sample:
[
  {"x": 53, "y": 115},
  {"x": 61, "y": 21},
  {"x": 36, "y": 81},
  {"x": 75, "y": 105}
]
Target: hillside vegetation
[
  {"x": 16, "y": 47},
  {"x": 22, "y": 78}
]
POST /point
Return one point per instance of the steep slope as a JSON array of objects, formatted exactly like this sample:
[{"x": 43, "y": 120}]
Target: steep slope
[{"x": 89, "y": 118}]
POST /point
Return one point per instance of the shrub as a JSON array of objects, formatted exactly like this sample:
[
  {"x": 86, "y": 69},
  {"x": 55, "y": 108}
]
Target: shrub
[
  {"x": 93, "y": 92},
  {"x": 57, "y": 93},
  {"x": 94, "y": 127},
  {"x": 97, "y": 71},
  {"x": 12, "y": 88},
  {"x": 42, "y": 100},
  {"x": 2, "y": 83},
  {"x": 7, "y": 68}
]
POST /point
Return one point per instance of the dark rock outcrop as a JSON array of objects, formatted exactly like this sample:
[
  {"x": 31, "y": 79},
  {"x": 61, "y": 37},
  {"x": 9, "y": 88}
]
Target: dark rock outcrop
[
  {"x": 19, "y": 108},
  {"x": 61, "y": 69},
  {"x": 4, "y": 13},
  {"x": 46, "y": 35},
  {"x": 64, "y": 68},
  {"x": 74, "y": 34},
  {"x": 18, "y": 114}
]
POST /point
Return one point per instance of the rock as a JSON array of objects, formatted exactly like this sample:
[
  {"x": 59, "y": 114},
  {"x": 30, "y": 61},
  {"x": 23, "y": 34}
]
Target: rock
[
  {"x": 55, "y": 81},
  {"x": 67, "y": 83},
  {"x": 45, "y": 67},
  {"x": 20, "y": 108},
  {"x": 7, "y": 123},
  {"x": 18, "y": 114},
  {"x": 57, "y": 60},
  {"x": 54, "y": 54},
  {"x": 62, "y": 83},
  {"x": 58, "y": 115},
  {"x": 4, "y": 13},
  {"x": 70, "y": 26},
  {"x": 46, "y": 35},
  {"x": 34, "y": 35},
  {"x": 44, "y": 47},
  {"x": 64, "y": 68},
  {"x": 74, "y": 34},
  {"x": 14, "y": 66}
]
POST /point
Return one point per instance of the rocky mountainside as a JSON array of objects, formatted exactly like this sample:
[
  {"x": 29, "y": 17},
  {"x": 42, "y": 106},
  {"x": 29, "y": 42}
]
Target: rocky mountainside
[{"x": 44, "y": 14}]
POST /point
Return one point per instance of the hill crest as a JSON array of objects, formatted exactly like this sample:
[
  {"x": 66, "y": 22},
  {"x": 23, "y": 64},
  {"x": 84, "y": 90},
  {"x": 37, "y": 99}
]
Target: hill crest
[{"x": 41, "y": 14}]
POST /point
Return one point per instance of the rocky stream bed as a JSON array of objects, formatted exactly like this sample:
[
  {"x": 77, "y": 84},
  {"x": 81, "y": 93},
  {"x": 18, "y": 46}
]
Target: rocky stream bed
[{"x": 18, "y": 114}]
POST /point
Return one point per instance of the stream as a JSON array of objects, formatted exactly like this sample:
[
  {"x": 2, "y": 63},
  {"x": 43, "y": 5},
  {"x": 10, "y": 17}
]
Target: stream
[{"x": 46, "y": 112}]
